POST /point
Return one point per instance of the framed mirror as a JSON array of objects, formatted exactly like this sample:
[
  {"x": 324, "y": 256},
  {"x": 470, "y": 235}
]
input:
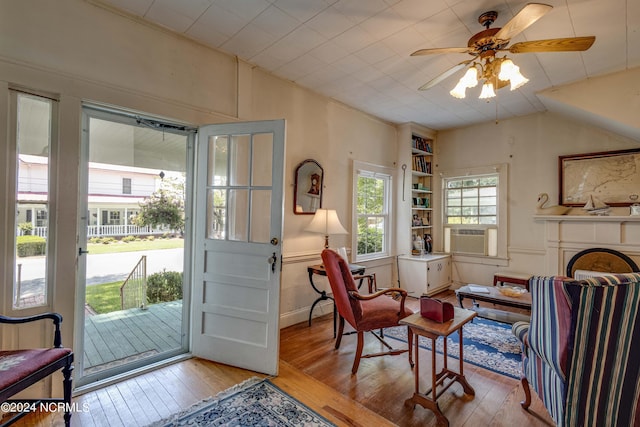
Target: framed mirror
[{"x": 307, "y": 189}]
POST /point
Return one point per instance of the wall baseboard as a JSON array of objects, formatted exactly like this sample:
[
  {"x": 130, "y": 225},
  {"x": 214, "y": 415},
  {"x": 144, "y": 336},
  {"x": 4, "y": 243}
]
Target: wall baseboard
[{"x": 302, "y": 314}]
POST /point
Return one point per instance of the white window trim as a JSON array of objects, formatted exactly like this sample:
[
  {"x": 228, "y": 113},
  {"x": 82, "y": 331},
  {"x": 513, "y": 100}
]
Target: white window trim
[
  {"x": 502, "y": 219},
  {"x": 372, "y": 170}
]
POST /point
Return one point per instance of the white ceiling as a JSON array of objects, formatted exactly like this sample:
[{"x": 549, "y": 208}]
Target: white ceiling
[{"x": 357, "y": 51}]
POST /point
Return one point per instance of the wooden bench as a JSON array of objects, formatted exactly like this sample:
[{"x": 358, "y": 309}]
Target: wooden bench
[{"x": 512, "y": 277}]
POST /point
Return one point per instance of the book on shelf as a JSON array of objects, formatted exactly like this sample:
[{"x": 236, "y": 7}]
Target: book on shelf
[
  {"x": 422, "y": 144},
  {"x": 421, "y": 164}
]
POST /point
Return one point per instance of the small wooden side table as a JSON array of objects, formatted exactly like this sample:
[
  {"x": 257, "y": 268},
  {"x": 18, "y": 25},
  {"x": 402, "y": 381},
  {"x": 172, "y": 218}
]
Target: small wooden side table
[
  {"x": 432, "y": 330},
  {"x": 521, "y": 279}
]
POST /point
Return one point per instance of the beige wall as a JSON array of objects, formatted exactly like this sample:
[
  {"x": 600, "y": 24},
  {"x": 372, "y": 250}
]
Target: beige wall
[
  {"x": 530, "y": 145},
  {"x": 82, "y": 52}
]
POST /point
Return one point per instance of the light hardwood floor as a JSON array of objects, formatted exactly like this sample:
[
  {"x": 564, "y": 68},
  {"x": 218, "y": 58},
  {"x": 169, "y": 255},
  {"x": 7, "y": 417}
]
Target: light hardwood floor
[{"x": 318, "y": 375}]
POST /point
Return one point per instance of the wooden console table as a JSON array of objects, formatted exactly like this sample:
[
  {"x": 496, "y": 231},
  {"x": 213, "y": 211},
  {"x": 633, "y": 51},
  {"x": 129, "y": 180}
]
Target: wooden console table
[
  {"x": 430, "y": 329},
  {"x": 320, "y": 271}
]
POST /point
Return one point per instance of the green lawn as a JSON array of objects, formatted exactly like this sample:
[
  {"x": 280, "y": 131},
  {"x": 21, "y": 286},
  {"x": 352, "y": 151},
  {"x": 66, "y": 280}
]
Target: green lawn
[
  {"x": 142, "y": 245},
  {"x": 104, "y": 298}
]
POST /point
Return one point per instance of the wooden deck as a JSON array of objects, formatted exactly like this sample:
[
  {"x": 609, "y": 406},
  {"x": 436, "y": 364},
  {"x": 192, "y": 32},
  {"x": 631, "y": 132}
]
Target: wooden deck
[{"x": 122, "y": 336}]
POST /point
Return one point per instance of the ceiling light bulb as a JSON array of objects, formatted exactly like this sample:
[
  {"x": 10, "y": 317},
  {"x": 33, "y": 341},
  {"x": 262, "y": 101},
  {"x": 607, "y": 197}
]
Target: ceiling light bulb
[
  {"x": 459, "y": 90},
  {"x": 506, "y": 70},
  {"x": 487, "y": 91},
  {"x": 517, "y": 79},
  {"x": 470, "y": 78}
]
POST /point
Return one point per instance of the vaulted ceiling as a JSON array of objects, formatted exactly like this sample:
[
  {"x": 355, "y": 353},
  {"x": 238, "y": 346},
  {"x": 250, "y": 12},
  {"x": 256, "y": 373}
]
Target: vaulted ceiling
[{"x": 358, "y": 51}]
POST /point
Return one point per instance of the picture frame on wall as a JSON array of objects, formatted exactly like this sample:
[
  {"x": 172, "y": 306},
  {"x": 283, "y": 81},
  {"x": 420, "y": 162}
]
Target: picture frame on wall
[{"x": 612, "y": 177}]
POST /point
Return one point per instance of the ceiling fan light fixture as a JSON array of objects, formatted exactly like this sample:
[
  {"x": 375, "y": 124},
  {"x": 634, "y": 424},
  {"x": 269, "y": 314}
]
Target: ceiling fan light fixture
[
  {"x": 487, "y": 91},
  {"x": 470, "y": 78},
  {"x": 506, "y": 69},
  {"x": 459, "y": 90},
  {"x": 517, "y": 79}
]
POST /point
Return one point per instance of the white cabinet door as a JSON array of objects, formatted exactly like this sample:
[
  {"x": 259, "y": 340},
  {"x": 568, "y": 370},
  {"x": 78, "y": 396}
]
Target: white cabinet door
[
  {"x": 438, "y": 275},
  {"x": 413, "y": 276},
  {"x": 426, "y": 274}
]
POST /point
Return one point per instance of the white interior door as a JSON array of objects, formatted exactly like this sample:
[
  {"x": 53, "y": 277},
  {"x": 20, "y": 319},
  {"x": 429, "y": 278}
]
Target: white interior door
[{"x": 239, "y": 210}]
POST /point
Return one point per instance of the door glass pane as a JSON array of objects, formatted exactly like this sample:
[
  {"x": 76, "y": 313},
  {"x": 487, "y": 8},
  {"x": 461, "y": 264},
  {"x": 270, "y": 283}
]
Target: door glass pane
[
  {"x": 260, "y": 216},
  {"x": 216, "y": 214},
  {"x": 238, "y": 210},
  {"x": 262, "y": 157},
  {"x": 217, "y": 162},
  {"x": 239, "y": 155},
  {"x": 33, "y": 134}
]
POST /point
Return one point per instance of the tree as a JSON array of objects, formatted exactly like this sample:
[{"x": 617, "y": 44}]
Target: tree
[{"x": 164, "y": 207}]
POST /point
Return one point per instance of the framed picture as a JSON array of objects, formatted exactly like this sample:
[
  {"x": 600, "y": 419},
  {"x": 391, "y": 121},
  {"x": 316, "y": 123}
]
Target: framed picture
[{"x": 612, "y": 177}]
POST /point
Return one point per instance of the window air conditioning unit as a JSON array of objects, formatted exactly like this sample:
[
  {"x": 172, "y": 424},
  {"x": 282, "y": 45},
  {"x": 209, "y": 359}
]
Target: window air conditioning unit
[{"x": 469, "y": 241}]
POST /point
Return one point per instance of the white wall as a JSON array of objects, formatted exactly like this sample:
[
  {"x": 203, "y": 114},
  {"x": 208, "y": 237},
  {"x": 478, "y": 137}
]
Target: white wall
[{"x": 530, "y": 145}]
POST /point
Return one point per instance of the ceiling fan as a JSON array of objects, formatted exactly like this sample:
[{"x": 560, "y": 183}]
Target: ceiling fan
[{"x": 487, "y": 43}]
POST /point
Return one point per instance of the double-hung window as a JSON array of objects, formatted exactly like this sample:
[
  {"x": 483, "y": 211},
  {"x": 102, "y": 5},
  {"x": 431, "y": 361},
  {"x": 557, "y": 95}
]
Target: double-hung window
[
  {"x": 471, "y": 213},
  {"x": 372, "y": 207}
]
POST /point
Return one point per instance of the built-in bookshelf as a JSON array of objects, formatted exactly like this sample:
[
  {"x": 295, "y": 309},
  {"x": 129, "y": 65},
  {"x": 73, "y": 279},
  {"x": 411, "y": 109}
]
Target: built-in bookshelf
[{"x": 421, "y": 190}]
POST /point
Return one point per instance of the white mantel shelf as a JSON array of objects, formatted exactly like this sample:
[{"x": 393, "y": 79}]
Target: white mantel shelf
[
  {"x": 592, "y": 218},
  {"x": 566, "y": 235}
]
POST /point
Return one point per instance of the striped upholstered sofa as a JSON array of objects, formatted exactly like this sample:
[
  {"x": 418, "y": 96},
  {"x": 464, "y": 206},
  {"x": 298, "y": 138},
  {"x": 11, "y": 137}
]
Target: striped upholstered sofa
[{"x": 581, "y": 350}]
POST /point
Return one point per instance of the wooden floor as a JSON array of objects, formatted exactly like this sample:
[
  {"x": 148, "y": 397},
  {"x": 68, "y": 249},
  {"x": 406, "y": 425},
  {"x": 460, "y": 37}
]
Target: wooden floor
[{"x": 319, "y": 376}]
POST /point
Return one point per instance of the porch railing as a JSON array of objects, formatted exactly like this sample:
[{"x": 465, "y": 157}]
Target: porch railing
[
  {"x": 104, "y": 230},
  {"x": 121, "y": 230},
  {"x": 133, "y": 292}
]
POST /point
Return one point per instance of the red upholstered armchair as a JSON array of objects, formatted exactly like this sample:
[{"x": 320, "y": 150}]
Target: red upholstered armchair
[
  {"x": 365, "y": 313},
  {"x": 20, "y": 369}
]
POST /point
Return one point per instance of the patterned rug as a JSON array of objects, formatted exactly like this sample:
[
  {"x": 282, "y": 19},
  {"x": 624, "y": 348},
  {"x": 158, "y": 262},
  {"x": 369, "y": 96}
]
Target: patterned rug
[
  {"x": 488, "y": 344},
  {"x": 255, "y": 402}
]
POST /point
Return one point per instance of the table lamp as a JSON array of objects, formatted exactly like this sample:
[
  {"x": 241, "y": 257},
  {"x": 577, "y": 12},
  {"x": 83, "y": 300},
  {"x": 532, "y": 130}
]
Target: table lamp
[{"x": 326, "y": 222}]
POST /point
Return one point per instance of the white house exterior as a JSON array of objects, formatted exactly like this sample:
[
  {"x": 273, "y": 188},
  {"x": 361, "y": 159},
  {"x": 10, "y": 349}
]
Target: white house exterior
[{"x": 115, "y": 193}]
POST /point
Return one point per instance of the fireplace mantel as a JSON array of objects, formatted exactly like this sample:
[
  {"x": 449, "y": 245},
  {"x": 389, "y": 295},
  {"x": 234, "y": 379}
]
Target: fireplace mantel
[
  {"x": 589, "y": 218},
  {"x": 566, "y": 235}
]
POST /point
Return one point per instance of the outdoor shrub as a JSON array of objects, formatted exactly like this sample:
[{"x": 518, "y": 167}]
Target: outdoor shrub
[
  {"x": 107, "y": 240},
  {"x": 26, "y": 228},
  {"x": 151, "y": 238},
  {"x": 127, "y": 239},
  {"x": 164, "y": 286},
  {"x": 94, "y": 240},
  {"x": 30, "y": 245}
]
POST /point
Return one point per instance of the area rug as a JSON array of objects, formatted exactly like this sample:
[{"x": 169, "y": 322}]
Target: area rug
[
  {"x": 255, "y": 402},
  {"x": 486, "y": 343}
]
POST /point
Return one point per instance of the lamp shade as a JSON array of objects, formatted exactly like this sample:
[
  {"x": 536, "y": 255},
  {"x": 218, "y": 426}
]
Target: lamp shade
[
  {"x": 487, "y": 91},
  {"x": 325, "y": 221}
]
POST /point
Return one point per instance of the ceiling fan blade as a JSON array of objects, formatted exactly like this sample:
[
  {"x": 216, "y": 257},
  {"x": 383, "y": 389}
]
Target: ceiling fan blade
[
  {"x": 527, "y": 16},
  {"x": 571, "y": 44},
  {"x": 441, "y": 50},
  {"x": 446, "y": 74}
]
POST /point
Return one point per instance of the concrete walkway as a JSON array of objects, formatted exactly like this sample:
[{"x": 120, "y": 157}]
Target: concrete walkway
[{"x": 101, "y": 268}]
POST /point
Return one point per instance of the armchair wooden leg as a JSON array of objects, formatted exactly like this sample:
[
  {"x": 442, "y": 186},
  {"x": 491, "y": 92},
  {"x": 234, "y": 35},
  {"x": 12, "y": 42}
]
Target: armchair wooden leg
[
  {"x": 410, "y": 339},
  {"x": 527, "y": 394},
  {"x": 66, "y": 385},
  {"x": 359, "y": 348},
  {"x": 340, "y": 331}
]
